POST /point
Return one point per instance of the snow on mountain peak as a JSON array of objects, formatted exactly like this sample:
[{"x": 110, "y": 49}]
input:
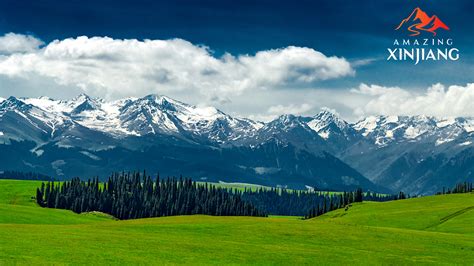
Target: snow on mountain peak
[
  {"x": 386, "y": 129},
  {"x": 155, "y": 113},
  {"x": 163, "y": 102},
  {"x": 288, "y": 121},
  {"x": 287, "y": 118},
  {"x": 328, "y": 123},
  {"x": 158, "y": 114},
  {"x": 326, "y": 118},
  {"x": 48, "y": 104},
  {"x": 367, "y": 125},
  {"x": 81, "y": 98},
  {"x": 445, "y": 122},
  {"x": 13, "y": 103},
  {"x": 467, "y": 124},
  {"x": 83, "y": 103}
]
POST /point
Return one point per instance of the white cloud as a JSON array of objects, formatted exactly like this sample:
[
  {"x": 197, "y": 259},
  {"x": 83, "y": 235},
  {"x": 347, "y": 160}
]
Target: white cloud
[
  {"x": 363, "y": 62},
  {"x": 290, "y": 109},
  {"x": 331, "y": 110},
  {"x": 294, "y": 65},
  {"x": 11, "y": 43},
  {"x": 114, "y": 68},
  {"x": 438, "y": 100},
  {"x": 262, "y": 86}
]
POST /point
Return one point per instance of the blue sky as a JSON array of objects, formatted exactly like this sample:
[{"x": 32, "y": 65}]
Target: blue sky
[{"x": 355, "y": 30}]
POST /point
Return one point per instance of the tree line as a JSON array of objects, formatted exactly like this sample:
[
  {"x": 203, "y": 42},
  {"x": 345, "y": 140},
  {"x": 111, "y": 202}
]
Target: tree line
[
  {"x": 299, "y": 203},
  {"x": 345, "y": 200},
  {"x": 133, "y": 196},
  {"x": 464, "y": 187},
  {"x": 24, "y": 176},
  {"x": 335, "y": 202}
]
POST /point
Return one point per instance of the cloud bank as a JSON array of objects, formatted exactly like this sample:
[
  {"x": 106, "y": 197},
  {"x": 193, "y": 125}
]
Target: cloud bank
[
  {"x": 262, "y": 85},
  {"x": 115, "y": 68},
  {"x": 438, "y": 100},
  {"x": 290, "y": 109},
  {"x": 11, "y": 43}
]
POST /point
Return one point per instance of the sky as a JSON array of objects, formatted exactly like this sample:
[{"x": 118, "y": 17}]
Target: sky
[{"x": 257, "y": 59}]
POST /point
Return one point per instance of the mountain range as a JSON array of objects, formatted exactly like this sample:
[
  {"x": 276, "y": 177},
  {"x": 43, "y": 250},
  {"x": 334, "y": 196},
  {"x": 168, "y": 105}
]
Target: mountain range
[{"x": 88, "y": 136}]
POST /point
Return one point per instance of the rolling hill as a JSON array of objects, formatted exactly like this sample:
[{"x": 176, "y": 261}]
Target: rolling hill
[{"x": 435, "y": 229}]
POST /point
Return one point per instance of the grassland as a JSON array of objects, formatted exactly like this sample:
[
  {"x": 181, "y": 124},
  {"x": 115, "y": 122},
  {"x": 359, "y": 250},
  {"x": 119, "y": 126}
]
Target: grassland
[{"x": 430, "y": 230}]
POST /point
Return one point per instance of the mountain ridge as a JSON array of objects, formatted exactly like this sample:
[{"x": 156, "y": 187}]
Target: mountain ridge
[{"x": 379, "y": 147}]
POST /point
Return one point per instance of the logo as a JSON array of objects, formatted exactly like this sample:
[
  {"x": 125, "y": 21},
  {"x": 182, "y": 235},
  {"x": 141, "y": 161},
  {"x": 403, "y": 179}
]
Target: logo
[
  {"x": 419, "y": 48},
  {"x": 419, "y": 21}
]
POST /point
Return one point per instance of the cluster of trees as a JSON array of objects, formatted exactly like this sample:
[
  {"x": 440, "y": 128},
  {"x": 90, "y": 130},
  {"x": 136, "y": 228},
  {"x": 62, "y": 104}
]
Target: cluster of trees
[
  {"x": 373, "y": 196},
  {"x": 335, "y": 202},
  {"x": 465, "y": 187},
  {"x": 401, "y": 196},
  {"x": 301, "y": 203},
  {"x": 135, "y": 195},
  {"x": 132, "y": 196},
  {"x": 345, "y": 200},
  {"x": 24, "y": 176},
  {"x": 281, "y": 201}
]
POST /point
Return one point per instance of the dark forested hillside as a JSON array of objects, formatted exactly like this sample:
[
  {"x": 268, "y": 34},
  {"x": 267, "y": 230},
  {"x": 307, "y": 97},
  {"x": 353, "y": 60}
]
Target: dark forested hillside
[
  {"x": 300, "y": 203},
  {"x": 130, "y": 196},
  {"x": 24, "y": 176},
  {"x": 135, "y": 195},
  {"x": 465, "y": 187}
]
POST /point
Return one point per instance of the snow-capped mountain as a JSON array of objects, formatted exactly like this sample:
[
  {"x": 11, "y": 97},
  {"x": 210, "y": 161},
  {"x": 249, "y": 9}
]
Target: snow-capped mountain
[
  {"x": 291, "y": 129},
  {"x": 87, "y": 136},
  {"x": 84, "y": 136},
  {"x": 159, "y": 114},
  {"x": 152, "y": 114},
  {"x": 24, "y": 121},
  {"x": 413, "y": 153},
  {"x": 337, "y": 133},
  {"x": 384, "y": 130},
  {"x": 327, "y": 123}
]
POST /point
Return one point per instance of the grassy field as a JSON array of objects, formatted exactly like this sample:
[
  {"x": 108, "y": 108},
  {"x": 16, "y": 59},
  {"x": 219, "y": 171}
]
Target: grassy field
[{"x": 430, "y": 230}]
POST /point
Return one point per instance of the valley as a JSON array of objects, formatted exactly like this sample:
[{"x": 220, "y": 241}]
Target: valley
[{"x": 367, "y": 233}]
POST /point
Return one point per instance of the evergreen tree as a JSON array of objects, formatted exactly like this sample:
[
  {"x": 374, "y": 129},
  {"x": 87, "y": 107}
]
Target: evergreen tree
[{"x": 131, "y": 196}]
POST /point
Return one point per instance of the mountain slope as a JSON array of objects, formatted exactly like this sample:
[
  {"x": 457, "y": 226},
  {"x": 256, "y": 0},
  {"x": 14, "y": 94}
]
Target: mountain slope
[
  {"x": 337, "y": 133},
  {"x": 413, "y": 153},
  {"x": 86, "y": 136},
  {"x": 90, "y": 136}
]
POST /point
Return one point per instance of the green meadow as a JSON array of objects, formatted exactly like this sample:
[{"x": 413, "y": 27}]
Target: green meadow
[{"x": 429, "y": 230}]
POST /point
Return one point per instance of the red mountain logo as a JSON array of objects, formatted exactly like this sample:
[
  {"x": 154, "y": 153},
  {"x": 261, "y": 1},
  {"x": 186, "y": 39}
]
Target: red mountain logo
[{"x": 419, "y": 21}]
